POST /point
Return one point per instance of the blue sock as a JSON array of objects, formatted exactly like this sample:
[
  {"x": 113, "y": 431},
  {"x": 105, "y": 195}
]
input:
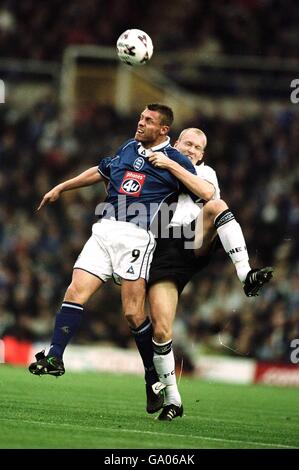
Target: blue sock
[
  {"x": 67, "y": 324},
  {"x": 143, "y": 339}
]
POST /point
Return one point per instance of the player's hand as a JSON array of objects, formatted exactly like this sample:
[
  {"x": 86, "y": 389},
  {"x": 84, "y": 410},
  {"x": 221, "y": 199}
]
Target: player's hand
[
  {"x": 51, "y": 196},
  {"x": 160, "y": 160}
]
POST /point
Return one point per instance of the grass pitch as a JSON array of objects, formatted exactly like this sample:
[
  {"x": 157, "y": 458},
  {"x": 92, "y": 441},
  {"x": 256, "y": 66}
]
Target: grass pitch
[{"x": 107, "y": 411}]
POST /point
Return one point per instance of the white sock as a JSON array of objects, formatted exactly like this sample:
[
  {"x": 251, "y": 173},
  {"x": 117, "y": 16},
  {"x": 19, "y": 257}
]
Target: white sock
[
  {"x": 165, "y": 367},
  {"x": 233, "y": 242}
]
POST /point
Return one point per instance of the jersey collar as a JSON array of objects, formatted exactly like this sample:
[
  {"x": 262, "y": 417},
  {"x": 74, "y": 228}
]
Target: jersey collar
[{"x": 147, "y": 152}]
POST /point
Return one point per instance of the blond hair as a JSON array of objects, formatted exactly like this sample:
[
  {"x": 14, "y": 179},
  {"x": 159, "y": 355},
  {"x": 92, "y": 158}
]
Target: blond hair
[{"x": 196, "y": 131}]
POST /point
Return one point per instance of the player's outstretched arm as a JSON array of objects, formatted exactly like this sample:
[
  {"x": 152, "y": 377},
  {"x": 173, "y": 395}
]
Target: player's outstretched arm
[
  {"x": 195, "y": 184},
  {"x": 87, "y": 178}
]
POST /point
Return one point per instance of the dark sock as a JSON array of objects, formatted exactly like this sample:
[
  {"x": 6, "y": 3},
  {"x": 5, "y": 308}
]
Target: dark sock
[
  {"x": 67, "y": 324},
  {"x": 143, "y": 338}
]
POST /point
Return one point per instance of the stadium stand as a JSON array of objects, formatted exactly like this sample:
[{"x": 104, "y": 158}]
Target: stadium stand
[{"x": 255, "y": 158}]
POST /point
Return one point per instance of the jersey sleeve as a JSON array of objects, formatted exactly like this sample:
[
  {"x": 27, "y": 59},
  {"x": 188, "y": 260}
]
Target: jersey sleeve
[
  {"x": 105, "y": 163},
  {"x": 210, "y": 176},
  {"x": 188, "y": 165},
  {"x": 104, "y": 167}
]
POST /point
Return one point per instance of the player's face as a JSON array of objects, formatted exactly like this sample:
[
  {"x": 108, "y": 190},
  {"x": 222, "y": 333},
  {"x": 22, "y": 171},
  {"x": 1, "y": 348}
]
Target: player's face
[
  {"x": 192, "y": 145},
  {"x": 150, "y": 131}
]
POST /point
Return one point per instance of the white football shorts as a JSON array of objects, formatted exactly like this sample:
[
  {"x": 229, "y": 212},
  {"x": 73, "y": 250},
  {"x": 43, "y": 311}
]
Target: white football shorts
[{"x": 117, "y": 248}]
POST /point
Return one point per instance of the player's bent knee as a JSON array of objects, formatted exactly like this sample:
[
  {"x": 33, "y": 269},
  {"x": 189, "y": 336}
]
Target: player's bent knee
[
  {"x": 133, "y": 308},
  {"x": 215, "y": 207},
  {"x": 76, "y": 293},
  {"x": 162, "y": 333},
  {"x": 135, "y": 320}
]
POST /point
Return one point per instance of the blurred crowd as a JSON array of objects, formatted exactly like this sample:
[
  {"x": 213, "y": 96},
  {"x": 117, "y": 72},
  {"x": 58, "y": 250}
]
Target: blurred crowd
[
  {"x": 255, "y": 159},
  {"x": 40, "y": 30}
]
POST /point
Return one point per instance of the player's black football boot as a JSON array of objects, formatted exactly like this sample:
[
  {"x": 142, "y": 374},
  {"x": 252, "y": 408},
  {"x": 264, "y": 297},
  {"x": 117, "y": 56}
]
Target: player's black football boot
[
  {"x": 170, "y": 412},
  {"x": 47, "y": 365},
  {"x": 255, "y": 280},
  {"x": 154, "y": 397}
]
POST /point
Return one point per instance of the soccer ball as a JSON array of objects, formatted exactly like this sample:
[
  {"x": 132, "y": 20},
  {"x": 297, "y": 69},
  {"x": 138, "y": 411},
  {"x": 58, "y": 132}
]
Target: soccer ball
[{"x": 134, "y": 47}]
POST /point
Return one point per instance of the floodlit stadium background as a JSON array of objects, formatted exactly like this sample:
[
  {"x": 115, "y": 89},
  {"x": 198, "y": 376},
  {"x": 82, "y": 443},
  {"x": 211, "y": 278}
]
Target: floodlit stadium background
[{"x": 226, "y": 67}]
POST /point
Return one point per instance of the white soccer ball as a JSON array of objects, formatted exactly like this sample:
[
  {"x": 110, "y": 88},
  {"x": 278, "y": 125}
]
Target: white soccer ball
[{"x": 134, "y": 47}]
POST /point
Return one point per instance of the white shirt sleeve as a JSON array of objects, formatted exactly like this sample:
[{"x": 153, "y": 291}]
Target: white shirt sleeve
[
  {"x": 208, "y": 174},
  {"x": 187, "y": 210}
]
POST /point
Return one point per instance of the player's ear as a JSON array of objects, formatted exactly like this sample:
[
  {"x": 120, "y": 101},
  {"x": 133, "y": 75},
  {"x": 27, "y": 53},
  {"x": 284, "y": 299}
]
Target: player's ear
[{"x": 164, "y": 130}]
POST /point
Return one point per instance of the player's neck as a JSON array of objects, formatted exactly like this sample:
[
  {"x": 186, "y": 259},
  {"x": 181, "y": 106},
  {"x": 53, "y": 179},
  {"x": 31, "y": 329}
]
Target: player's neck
[{"x": 149, "y": 145}]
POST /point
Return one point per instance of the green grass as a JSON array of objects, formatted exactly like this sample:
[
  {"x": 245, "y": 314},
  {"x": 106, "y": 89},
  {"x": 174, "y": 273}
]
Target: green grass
[{"x": 107, "y": 411}]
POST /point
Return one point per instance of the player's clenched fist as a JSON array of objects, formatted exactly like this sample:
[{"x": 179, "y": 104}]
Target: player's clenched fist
[{"x": 160, "y": 160}]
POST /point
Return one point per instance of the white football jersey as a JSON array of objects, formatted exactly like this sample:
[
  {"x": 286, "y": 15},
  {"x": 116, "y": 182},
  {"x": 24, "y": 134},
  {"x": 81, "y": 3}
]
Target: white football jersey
[{"x": 187, "y": 210}]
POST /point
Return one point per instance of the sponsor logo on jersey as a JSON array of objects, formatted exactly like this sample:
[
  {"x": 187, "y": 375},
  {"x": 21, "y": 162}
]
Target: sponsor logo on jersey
[
  {"x": 138, "y": 163},
  {"x": 131, "y": 270},
  {"x": 132, "y": 183}
]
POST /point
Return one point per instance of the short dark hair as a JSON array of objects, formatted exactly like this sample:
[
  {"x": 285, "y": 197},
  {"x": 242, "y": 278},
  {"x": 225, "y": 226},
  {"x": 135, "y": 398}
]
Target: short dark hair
[{"x": 165, "y": 111}]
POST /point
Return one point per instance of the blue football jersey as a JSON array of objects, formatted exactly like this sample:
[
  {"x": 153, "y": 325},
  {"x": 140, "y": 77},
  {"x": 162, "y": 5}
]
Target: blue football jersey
[{"x": 136, "y": 188}]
